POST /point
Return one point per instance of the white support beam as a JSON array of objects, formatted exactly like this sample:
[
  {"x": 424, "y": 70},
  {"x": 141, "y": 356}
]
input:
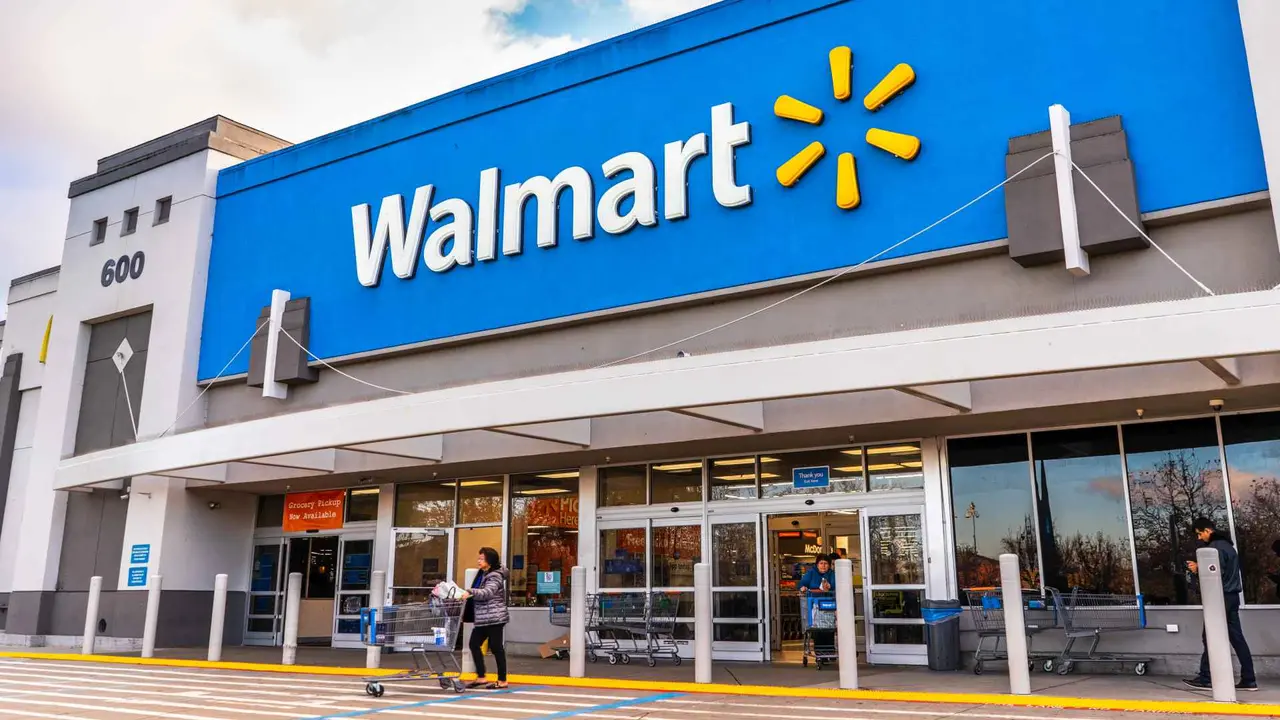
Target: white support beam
[
  {"x": 352, "y": 462},
  {"x": 1228, "y": 369},
  {"x": 749, "y": 416},
  {"x": 234, "y": 472},
  {"x": 1060, "y": 132},
  {"x": 316, "y": 461},
  {"x": 429, "y": 448},
  {"x": 566, "y": 432},
  {"x": 271, "y": 388},
  {"x": 957, "y": 396},
  {"x": 1125, "y": 336}
]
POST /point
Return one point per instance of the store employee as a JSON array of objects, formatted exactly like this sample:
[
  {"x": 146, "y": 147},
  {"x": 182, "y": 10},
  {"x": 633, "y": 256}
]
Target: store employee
[{"x": 820, "y": 578}]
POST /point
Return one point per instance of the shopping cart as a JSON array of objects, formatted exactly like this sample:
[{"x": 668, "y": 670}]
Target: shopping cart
[
  {"x": 560, "y": 617},
  {"x": 660, "y": 628},
  {"x": 629, "y": 625},
  {"x": 818, "y": 624},
  {"x": 986, "y": 611},
  {"x": 424, "y": 629},
  {"x": 1089, "y": 615}
]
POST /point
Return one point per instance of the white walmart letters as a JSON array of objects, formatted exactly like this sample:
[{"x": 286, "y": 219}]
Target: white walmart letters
[{"x": 467, "y": 238}]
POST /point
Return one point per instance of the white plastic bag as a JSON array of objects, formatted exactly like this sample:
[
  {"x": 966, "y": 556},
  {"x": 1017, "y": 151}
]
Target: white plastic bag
[{"x": 446, "y": 590}]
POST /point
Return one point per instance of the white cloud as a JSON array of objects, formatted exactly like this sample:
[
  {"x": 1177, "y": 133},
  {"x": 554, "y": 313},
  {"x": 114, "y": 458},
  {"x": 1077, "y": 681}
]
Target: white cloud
[{"x": 85, "y": 79}]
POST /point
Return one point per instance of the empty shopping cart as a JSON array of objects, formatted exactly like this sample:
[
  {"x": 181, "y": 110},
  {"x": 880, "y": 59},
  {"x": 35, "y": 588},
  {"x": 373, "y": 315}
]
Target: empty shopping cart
[
  {"x": 987, "y": 612},
  {"x": 1089, "y": 615}
]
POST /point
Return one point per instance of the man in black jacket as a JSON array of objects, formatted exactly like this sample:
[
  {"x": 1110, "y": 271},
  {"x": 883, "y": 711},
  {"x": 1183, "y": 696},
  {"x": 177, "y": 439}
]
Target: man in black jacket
[{"x": 1232, "y": 585}]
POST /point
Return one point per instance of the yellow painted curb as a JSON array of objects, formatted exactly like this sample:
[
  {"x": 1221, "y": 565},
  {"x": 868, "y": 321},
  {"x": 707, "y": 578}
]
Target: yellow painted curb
[{"x": 1198, "y": 707}]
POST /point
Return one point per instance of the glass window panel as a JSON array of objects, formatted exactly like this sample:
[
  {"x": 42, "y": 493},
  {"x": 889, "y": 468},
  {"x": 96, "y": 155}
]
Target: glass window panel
[
  {"x": 895, "y": 467},
  {"x": 733, "y": 478},
  {"x": 674, "y": 482},
  {"x": 421, "y": 561},
  {"x": 899, "y": 634},
  {"x": 270, "y": 511},
  {"x": 467, "y": 543},
  {"x": 362, "y": 504},
  {"x": 675, "y": 549},
  {"x": 350, "y": 605},
  {"x": 544, "y": 534},
  {"x": 896, "y": 544},
  {"x": 425, "y": 505},
  {"x": 480, "y": 500},
  {"x": 1253, "y": 468},
  {"x": 992, "y": 508},
  {"x": 732, "y": 632},
  {"x": 736, "y": 605},
  {"x": 357, "y": 561},
  {"x": 733, "y": 546},
  {"x": 622, "y": 558},
  {"x": 262, "y": 604},
  {"x": 262, "y": 625},
  {"x": 622, "y": 486},
  {"x": 897, "y": 604},
  {"x": 845, "y": 466},
  {"x": 1084, "y": 534},
  {"x": 321, "y": 574},
  {"x": 266, "y": 568},
  {"x": 348, "y": 627},
  {"x": 1175, "y": 476}
]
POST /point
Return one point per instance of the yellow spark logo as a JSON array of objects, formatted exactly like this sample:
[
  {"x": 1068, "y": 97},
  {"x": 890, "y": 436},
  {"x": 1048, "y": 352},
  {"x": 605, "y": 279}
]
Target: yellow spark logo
[{"x": 900, "y": 145}]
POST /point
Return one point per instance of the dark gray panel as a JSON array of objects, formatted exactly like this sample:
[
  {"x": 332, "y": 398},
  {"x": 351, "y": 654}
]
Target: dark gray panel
[
  {"x": 10, "y": 406},
  {"x": 122, "y": 423},
  {"x": 80, "y": 541},
  {"x": 97, "y": 406},
  {"x": 105, "y": 337},
  {"x": 1102, "y": 229},
  {"x": 138, "y": 330},
  {"x": 1096, "y": 150},
  {"x": 258, "y": 351},
  {"x": 1079, "y": 131},
  {"x": 4, "y": 610},
  {"x": 292, "y": 364},
  {"x": 110, "y": 538},
  {"x": 29, "y": 613}
]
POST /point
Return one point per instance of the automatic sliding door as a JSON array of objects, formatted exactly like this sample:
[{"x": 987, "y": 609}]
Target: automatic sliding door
[
  {"x": 736, "y": 590},
  {"x": 266, "y": 594},
  {"x": 419, "y": 561},
  {"x": 893, "y": 552}
]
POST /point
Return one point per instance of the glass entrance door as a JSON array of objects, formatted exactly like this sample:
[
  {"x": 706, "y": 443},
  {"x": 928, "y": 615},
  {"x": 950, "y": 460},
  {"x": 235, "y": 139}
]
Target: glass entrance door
[
  {"x": 737, "y": 595},
  {"x": 419, "y": 561},
  {"x": 355, "y": 563},
  {"x": 894, "y": 568},
  {"x": 265, "y": 623}
]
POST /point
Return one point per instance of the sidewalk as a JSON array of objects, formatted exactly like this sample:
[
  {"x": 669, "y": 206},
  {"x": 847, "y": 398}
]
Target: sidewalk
[{"x": 1117, "y": 687}]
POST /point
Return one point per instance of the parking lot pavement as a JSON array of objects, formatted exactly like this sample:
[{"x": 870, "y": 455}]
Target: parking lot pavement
[{"x": 64, "y": 690}]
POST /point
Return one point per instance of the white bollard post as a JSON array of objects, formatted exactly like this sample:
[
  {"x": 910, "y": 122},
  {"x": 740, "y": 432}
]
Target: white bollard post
[
  {"x": 1217, "y": 642},
  {"x": 377, "y": 586},
  {"x": 578, "y": 622},
  {"x": 468, "y": 662},
  {"x": 293, "y": 601},
  {"x": 153, "y": 617},
  {"x": 91, "y": 615},
  {"x": 1015, "y": 626},
  {"x": 703, "y": 623},
  {"x": 218, "y": 618},
  {"x": 846, "y": 626}
]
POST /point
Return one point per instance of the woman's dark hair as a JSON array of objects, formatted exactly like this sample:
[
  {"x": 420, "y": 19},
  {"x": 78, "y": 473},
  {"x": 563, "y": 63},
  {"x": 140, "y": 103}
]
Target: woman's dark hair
[
  {"x": 491, "y": 557},
  {"x": 823, "y": 558},
  {"x": 1275, "y": 547}
]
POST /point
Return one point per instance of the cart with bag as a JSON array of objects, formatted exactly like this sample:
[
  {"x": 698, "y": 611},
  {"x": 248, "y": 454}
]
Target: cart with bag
[
  {"x": 818, "y": 624},
  {"x": 424, "y": 629}
]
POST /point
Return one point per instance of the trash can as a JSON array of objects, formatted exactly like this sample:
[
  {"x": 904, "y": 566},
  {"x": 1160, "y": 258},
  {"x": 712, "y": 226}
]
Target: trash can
[{"x": 942, "y": 633}]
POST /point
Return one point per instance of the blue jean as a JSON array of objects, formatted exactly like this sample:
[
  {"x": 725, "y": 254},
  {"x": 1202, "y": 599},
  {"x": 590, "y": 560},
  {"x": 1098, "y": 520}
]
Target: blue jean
[{"x": 1238, "y": 643}]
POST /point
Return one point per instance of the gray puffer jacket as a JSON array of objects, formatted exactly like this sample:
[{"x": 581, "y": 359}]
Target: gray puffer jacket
[{"x": 489, "y": 598}]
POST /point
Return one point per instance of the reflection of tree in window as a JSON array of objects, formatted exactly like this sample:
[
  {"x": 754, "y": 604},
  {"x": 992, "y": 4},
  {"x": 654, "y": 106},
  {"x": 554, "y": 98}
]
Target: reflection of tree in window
[
  {"x": 734, "y": 547},
  {"x": 675, "y": 550},
  {"x": 992, "y": 475},
  {"x": 1253, "y": 467},
  {"x": 1174, "y": 477}
]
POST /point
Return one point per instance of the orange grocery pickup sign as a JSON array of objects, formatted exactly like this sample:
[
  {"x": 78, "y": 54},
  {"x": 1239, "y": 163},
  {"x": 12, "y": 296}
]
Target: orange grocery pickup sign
[{"x": 314, "y": 510}]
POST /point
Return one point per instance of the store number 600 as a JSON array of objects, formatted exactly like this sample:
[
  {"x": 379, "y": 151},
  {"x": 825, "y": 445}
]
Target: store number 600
[{"x": 123, "y": 268}]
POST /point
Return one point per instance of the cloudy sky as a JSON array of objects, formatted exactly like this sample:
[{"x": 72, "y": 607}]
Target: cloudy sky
[{"x": 85, "y": 78}]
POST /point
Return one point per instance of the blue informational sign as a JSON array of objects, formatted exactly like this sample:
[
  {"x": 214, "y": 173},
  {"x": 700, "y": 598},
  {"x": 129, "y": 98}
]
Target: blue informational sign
[
  {"x": 444, "y": 196},
  {"x": 138, "y": 576},
  {"x": 140, "y": 555},
  {"x": 549, "y": 583},
  {"x": 811, "y": 477}
]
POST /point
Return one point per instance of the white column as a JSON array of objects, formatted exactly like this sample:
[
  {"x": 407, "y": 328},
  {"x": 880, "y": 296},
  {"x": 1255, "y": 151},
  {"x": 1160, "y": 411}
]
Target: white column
[
  {"x": 271, "y": 388},
  {"x": 382, "y": 538},
  {"x": 588, "y": 538},
  {"x": 940, "y": 572},
  {"x": 846, "y": 626},
  {"x": 91, "y": 615},
  {"x": 218, "y": 618},
  {"x": 293, "y": 601},
  {"x": 1260, "y": 20},
  {"x": 703, "y": 625},
  {"x": 1217, "y": 642},
  {"x": 468, "y": 662},
  {"x": 1015, "y": 626},
  {"x": 1060, "y": 131},
  {"x": 377, "y": 586},
  {"x": 153, "y": 617},
  {"x": 578, "y": 622}
]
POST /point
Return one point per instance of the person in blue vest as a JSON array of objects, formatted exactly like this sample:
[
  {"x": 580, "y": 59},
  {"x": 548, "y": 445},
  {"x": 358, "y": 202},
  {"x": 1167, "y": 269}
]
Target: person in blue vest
[{"x": 818, "y": 582}]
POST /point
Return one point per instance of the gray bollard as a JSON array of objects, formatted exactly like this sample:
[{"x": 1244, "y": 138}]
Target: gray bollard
[
  {"x": 153, "y": 617},
  {"x": 377, "y": 588},
  {"x": 1216, "y": 640},
  {"x": 703, "y": 626},
  {"x": 578, "y": 622},
  {"x": 468, "y": 662},
  {"x": 846, "y": 626},
  {"x": 293, "y": 599},
  {"x": 91, "y": 615},
  {"x": 219, "y": 617},
  {"x": 1015, "y": 626}
]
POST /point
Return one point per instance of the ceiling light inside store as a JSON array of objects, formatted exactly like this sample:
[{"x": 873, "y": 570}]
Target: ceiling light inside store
[
  {"x": 542, "y": 491},
  {"x": 365, "y": 491},
  {"x": 893, "y": 450},
  {"x": 472, "y": 483},
  {"x": 675, "y": 467},
  {"x": 560, "y": 475}
]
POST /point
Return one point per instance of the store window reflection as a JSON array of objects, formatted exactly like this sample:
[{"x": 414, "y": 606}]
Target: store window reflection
[
  {"x": 845, "y": 469},
  {"x": 1080, "y": 494},
  {"x": 734, "y": 478},
  {"x": 1253, "y": 467},
  {"x": 622, "y": 558},
  {"x": 676, "y": 548},
  {"x": 674, "y": 482},
  {"x": 424, "y": 505},
  {"x": 895, "y": 467},
  {"x": 1175, "y": 476},
  {"x": 544, "y": 536},
  {"x": 480, "y": 500},
  {"x": 992, "y": 509},
  {"x": 622, "y": 486}
]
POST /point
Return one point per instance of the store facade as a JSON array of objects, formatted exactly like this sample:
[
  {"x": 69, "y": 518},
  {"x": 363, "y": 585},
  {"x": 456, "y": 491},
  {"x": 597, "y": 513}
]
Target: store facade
[{"x": 618, "y": 310}]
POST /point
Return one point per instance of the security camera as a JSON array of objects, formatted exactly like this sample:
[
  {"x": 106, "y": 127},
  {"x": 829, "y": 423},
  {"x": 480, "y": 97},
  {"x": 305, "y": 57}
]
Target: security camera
[
  {"x": 124, "y": 495},
  {"x": 683, "y": 354},
  {"x": 1217, "y": 404},
  {"x": 215, "y": 505},
  {"x": 1140, "y": 412}
]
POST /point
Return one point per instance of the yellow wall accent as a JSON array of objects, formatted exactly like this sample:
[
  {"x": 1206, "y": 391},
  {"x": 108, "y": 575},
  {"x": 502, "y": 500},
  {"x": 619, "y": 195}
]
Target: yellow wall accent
[
  {"x": 792, "y": 170},
  {"x": 842, "y": 73},
  {"x": 900, "y": 144},
  {"x": 792, "y": 109},
  {"x": 848, "y": 196},
  {"x": 898, "y": 79},
  {"x": 44, "y": 344}
]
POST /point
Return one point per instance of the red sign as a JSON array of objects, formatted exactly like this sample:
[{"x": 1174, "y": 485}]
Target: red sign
[{"x": 314, "y": 510}]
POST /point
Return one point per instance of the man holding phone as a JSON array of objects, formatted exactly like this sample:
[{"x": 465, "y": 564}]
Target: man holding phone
[{"x": 1232, "y": 586}]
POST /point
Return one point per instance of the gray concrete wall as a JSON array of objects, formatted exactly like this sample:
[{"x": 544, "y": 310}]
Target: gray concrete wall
[
  {"x": 184, "y": 615},
  {"x": 1229, "y": 253}
]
